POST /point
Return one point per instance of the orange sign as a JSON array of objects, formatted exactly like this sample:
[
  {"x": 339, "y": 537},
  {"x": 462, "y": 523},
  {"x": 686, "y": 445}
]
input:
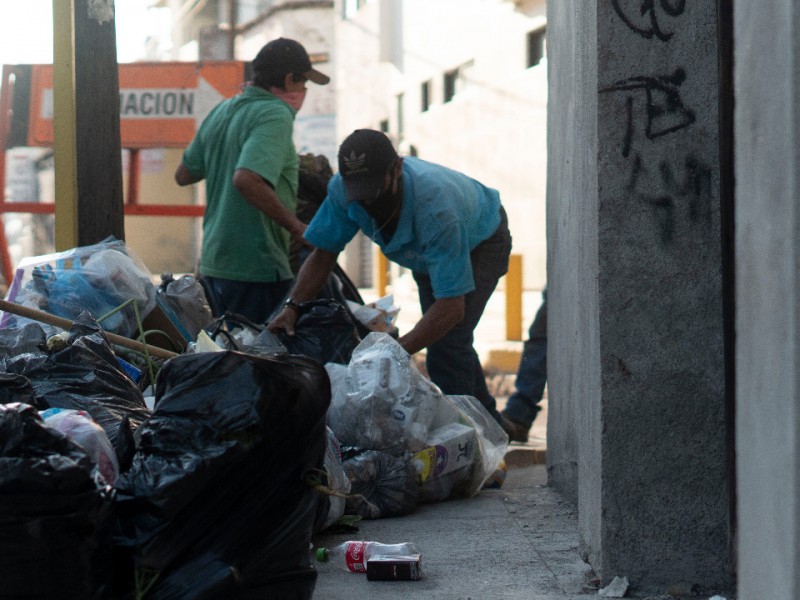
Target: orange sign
[{"x": 160, "y": 104}]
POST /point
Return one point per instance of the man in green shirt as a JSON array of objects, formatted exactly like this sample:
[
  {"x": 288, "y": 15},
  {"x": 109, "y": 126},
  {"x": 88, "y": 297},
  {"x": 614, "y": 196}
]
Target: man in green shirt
[{"x": 245, "y": 152}]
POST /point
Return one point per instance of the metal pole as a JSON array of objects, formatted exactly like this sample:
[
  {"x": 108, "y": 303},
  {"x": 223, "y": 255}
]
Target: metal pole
[
  {"x": 66, "y": 162},
  {"x": 514, "y": 298}
]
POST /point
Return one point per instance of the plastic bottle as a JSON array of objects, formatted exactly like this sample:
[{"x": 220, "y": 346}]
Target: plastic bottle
[{"x": 353, "y": 555}]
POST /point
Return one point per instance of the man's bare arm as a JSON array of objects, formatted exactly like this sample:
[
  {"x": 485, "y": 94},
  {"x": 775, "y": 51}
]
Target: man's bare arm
[
  {"x": 440, "y": 318},
  {"x": 184, "y": 176},
  {"x": 312, "y": 276},
  {"x": 258, "y": 193}
]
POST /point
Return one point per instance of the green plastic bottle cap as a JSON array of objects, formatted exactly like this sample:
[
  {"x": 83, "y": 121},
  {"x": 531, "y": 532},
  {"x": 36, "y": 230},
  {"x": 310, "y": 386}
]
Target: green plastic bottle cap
[{"x": 322, "y": 554}]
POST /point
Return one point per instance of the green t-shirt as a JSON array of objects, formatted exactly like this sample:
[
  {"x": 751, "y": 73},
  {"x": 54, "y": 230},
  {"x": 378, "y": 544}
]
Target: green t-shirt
[{"x": 252, "y": 131}]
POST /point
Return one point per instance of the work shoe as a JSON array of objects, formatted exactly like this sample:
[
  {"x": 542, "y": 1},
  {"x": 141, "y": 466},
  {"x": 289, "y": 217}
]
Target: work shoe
[{"x": 517, "y": 432}]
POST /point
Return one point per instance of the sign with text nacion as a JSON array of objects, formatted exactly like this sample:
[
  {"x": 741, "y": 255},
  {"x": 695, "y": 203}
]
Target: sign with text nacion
[{"x": 160, "y": 104}]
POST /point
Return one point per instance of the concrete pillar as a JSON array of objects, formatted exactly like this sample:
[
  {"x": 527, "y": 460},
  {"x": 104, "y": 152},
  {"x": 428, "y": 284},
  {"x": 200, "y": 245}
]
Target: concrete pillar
[
  {"x": 767, "y": 91},
  {"x": 635, "y": 366}
]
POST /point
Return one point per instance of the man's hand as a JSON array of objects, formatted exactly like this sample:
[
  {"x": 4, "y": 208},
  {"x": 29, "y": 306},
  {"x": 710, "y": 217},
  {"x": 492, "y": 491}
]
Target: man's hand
[
  {"x": 312, "y": 276},
  {"x": 440, "y": 318},
  {"x": 297, "y": 234},
  {"x": 260, "y": 194},
  {"x": 285, "y": 320}
]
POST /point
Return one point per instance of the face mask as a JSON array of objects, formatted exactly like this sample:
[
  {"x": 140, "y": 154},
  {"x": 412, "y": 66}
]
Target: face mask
[
  {"x": 293, "y": 99},
  {"x": 384, "y": 198}
]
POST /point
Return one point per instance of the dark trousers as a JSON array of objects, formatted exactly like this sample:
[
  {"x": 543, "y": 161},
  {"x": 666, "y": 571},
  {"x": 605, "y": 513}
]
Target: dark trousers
[
  {"x": 254, "y": 300},
  {"x": 523, "y": 404},
  {"x": 452, "y": 362}
]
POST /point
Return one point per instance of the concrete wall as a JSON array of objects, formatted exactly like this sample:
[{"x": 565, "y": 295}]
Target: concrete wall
[
  {"x": 642, "y": 387},
  {"x": 494, "y": 127},
  {"x": 767, "y": 91},
  {"x": 573, "y": 427}
]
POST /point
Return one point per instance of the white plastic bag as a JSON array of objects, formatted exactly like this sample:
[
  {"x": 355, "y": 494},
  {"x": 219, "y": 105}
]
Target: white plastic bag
[
  {"x": 383, "y": 402},
  {"x": 79, "y": 427}
]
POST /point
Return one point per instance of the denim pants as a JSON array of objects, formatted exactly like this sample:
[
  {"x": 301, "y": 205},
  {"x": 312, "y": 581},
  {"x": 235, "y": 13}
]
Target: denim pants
[
  {"x": 251, "y": 299},
  {"x": 452, "y": 362},
  {"x": 523, "y": 404}
]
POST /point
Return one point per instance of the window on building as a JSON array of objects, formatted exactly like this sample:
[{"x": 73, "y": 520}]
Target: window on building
[
  {"x": 351, "y": 7},
  {"x": 450, "y": 85},
  {"x": 456, "y": 80},
  {"x": 384, "y": 126},
  {"x": 425, "y": 96},
  {"x": 536, "y": 39}
]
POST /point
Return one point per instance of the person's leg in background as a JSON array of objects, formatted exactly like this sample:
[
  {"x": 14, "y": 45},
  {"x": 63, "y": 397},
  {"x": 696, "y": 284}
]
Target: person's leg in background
[{"x": 523, "y": 404}]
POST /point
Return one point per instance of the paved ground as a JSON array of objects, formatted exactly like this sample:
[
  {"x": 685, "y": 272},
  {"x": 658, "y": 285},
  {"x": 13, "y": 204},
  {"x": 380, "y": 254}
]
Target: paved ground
[{"x": 519, "y": 542}]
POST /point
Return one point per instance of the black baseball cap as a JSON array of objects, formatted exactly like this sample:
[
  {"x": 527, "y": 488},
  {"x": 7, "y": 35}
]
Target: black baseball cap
[
  {"x": 287, "y": 56},
  {"x": 364, "y": 157}
]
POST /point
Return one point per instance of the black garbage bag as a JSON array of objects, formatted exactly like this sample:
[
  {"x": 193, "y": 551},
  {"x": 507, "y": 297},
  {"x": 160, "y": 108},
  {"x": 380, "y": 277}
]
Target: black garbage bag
[
  {"x": 16, "y": 388},
  {"x": 85, "y": 375},
  {"x": 55, "y": 517},
  {"x": 381, "y": 485},
  {"x": 28, "y": 338},
  {"x": 325, "y": 331},
  {"x": 216, "y": 497}
]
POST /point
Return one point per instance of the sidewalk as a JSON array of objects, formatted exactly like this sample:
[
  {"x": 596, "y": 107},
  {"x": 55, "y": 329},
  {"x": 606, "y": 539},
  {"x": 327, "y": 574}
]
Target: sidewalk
[{"x": 518, "y": 542}]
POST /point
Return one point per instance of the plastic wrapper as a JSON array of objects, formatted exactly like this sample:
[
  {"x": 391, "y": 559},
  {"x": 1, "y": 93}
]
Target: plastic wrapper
[
  {"x": 332, "y": 507},
  {"x": 86, "y": 376},
  {"x": 381, "y": 485},
  {"x": 236, "y": 332},
  {"x": 447, "y": 462},
  {"x": 217, "y": 485},
  {"x": 325, "y": 331},
  {"x": 379, "y": 315},
  {"x": 79, "y": 427},
  {"x": 187, "y": 299},
  {"x": 463, "y": 451},
  {"x": 383, "y": 402},
  {"x": 491, "y": 441},
  {"x": 96, "y": 278},
  {"x": 55, "y": 518}
]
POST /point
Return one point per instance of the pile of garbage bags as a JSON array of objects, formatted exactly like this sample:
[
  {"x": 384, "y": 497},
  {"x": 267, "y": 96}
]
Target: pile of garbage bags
[
  {"x": 404, "y": 440},
  {"x": 205, "y": 474}
]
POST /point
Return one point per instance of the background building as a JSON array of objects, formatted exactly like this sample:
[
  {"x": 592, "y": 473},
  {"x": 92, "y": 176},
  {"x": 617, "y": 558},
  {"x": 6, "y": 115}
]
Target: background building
[
  {"x": 471, "y": 95},
  {"x": 461, "y": 83}
]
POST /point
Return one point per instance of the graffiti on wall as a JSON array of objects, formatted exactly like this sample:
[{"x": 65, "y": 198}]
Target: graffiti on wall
[
  {"x": 676, "y": 187},
  {"x": 672, "y": 186},
  {"x": 664, "y": 108},
  {"x": 649, "y": 17}
]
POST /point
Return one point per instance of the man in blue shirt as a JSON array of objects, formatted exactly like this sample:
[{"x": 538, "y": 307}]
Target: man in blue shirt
[{"x": 449, "y": 229}]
